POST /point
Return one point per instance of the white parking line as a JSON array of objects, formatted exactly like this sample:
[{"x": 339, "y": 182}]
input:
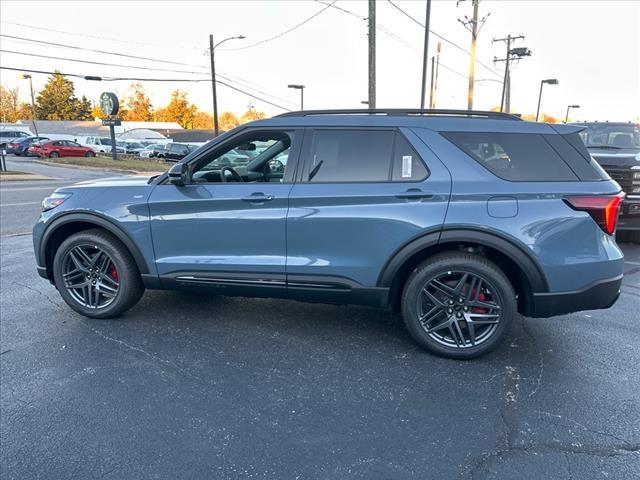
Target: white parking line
[
  {"x": 631, "y": 263},
  {"x": 19, "y": 204}
]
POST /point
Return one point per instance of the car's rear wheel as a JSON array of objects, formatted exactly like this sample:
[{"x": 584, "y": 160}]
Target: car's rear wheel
[
  {"x": 90, "y": 154},
  {"x": 54, "y": 155},
  {"x": 96, "y": 275},
  {"x": 458, "y": 305}
]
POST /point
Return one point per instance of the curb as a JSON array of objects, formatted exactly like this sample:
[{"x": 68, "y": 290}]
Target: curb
[{"x": 98, "y": 169}]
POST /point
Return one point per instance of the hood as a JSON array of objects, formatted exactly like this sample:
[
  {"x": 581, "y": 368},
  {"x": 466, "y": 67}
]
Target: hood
[{"x": 129, "y": 181}]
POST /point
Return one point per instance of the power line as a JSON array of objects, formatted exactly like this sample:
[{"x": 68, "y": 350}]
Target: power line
[
  {"x": 137, "y": 79},
  {"x": 136, "y": 67},
  {"x": 86, "y": 35},
  {"x": 282, "y": 33},
  {"x": 441, "y": 37},
  {"x": 98, "y": 63},
  {"x": 74, "y": 47}
]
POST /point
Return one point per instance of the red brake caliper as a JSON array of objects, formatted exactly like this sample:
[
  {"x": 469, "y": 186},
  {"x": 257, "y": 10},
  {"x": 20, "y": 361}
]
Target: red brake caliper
[
  {"x": 482, "y": 297},
  {"x": 113, "y": 272}
]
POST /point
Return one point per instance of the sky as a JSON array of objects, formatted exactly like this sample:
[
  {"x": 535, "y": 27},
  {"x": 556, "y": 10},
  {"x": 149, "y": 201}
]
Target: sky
[{"x": 591, "y": 47}]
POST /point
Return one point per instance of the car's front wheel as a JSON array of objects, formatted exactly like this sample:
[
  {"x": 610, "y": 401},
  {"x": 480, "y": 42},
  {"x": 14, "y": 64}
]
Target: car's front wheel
[
  {"x": 96, "y": 275},
  {"x": 458, "y": 305}
]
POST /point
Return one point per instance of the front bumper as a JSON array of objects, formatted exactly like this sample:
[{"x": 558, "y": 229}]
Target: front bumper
[{"x": 599, "y": 295}]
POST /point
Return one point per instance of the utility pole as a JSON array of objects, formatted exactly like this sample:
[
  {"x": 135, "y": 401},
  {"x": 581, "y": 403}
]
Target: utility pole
[
  {"x": 216, "y": 128},
  {"x": 425, "y": 56},
  {"x": 212, "y": 49},
  {"x": 433, "y": 72},
  {"x": 33, "y": 102},
  {"x": 435, "y": 86},
  {"x": 372, "y": 54},
  {"x": 474, "y": 26},
  {"x": 512, "y": 54}
]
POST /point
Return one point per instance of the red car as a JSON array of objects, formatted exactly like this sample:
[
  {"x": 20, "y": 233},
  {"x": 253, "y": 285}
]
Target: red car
[{"x": 62, "y": 148}]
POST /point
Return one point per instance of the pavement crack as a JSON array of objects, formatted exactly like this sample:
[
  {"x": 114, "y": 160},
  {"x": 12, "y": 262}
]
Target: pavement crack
[
  {"x": 39, "y": 292},
  {"x": 586, "y": 429},
  {"x": 154, "y": 357}
]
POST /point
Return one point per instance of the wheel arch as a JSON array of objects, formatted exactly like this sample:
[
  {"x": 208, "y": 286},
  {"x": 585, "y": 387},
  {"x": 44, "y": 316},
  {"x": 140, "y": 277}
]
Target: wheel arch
[
  {"x": 518, "y": 264},
  {"x": 68, "y": 224}
]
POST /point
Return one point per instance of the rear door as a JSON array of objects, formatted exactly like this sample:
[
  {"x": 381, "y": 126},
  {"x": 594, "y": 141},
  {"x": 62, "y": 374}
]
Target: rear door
[{"x": 361, "y": 195}]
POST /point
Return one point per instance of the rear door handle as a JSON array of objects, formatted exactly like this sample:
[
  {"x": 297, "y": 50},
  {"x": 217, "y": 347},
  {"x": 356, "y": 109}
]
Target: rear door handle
[
  {"x": 414, "y": 194},
  {"x": 258, "y": 197}
]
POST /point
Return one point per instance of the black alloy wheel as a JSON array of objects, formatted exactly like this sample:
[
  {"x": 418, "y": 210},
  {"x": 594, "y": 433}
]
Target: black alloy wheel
[{"x": 458, "y": 305}]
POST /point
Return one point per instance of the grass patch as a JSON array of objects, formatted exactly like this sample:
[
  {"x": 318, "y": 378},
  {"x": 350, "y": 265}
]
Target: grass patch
[
  {"x": 13, "y": 173},
  {"x": 102, "y": 162}
]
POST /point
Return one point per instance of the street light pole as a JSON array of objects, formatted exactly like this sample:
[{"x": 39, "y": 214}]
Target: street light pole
[
  {"x": 566, "y": 117},
  {"x": 212, "y": 48},
  {"x": 33, "y": 103},
  {"x": 425, "y": 55},
  {"x": 550, "y": 81},
  {"x": 301, "y": 88}
]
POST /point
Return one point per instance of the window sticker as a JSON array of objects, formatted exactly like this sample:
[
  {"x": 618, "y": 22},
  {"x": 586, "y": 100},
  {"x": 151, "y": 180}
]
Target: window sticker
[{"x": 406, "y": 166}]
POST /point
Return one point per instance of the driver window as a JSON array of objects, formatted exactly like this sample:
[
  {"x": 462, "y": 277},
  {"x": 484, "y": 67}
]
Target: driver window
[{"x": 254, "y": 157}]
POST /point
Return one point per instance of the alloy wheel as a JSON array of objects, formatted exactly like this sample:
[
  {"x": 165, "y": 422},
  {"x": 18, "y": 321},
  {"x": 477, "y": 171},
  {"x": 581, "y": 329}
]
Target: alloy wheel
[
  {"x": 459, "y": 309},
  {"x": 90, "y": 276}
]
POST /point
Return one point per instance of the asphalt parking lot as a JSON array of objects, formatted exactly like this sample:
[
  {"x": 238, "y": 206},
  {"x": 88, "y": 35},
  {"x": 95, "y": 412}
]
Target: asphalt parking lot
[{"x": 191, "y": 385}]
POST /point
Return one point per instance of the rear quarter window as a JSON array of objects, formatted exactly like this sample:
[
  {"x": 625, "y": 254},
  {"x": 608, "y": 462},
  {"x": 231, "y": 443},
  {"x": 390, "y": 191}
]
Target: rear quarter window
[{"x": 518, "y": 157}]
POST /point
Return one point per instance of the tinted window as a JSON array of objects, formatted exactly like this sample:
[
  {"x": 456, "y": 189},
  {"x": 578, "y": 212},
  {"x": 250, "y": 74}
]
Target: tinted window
[
  {"x": 514, "y": 156},
  {"x": 407, "y": 165},
  {"x": 73, "y": 144},
  {"x": 350, "y": 156},
  {"x": 585, "y": 168}
]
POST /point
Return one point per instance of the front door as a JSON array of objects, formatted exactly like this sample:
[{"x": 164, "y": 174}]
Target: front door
[{"x": 227, "y": 226}]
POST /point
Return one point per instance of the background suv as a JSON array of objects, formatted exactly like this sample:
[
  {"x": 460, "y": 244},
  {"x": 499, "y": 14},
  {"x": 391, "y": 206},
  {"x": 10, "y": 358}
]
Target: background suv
[
  {"x": 616, "y": 147},
  {"x": 458, "y": 220}
]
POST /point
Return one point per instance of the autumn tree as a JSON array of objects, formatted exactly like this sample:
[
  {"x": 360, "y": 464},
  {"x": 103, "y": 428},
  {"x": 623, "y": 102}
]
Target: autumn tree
[
  {"x": 11, "y": 108},
  {"x": 251, "y": 115},
  {"x": 96, "y": 112},
  {"x": 177, "y": 110},
  {"x": 138, "y": 106},
  {"x": 228, "y": 121},
  {"x": 202, "y": 120},
  {"x": 57, "y": 101}
]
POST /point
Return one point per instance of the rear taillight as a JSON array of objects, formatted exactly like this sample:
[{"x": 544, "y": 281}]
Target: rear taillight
[{"x": 602, "y": 208}]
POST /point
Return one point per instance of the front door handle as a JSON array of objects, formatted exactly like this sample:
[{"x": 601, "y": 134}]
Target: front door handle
[
  {"x": 414, "y": 194},
  {"x": 258, "y": 197}
]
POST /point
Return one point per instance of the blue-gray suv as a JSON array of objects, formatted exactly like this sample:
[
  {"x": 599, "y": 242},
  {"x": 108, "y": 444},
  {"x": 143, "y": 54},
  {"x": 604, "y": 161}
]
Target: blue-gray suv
[{"x": 459, "y": 220}]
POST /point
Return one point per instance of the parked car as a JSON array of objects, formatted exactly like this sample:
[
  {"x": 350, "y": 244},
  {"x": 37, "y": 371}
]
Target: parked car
[
  {"x": 8, "y": 136},
  {"x": 174, "y": 152},
  {"x": 64, "y": 148},
  {"x": 21, "y": 146},
  {"x": 616, "y": 147},
  {"x": 405, "y": 210},
  {"x": 152, "y": 150},
  {"x": 99, "y": 144}
]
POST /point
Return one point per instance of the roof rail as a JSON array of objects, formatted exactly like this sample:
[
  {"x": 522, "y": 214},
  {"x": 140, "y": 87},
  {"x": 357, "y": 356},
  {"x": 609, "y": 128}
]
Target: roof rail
[{"x": 404, "y": 111}]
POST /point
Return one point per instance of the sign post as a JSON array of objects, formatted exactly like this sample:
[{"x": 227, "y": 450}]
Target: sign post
[{"x": 110, "y": 105}]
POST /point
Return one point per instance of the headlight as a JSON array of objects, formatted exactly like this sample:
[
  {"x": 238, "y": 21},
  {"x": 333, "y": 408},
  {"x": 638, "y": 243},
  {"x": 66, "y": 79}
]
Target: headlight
[{"x": 55, "y": 200}]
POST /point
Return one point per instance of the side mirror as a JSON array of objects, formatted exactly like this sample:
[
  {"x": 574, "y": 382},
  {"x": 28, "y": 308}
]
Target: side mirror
[{"x": 178, "y": 174}]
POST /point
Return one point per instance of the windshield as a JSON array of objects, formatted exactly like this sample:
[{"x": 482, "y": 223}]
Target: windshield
[{"x": 621, "y": 136}]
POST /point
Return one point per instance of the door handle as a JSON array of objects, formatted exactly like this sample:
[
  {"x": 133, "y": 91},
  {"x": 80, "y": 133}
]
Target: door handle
[
  {"x": 258, "y": 197},
  {"x": 414, "y": 194}
]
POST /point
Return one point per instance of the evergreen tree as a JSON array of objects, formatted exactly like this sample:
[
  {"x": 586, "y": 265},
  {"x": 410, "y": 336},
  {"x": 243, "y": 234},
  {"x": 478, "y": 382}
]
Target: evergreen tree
[{"x": 57, "y": 100}]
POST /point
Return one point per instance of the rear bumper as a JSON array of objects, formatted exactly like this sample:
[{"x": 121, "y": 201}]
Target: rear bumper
[{"x": 596, "y": 296}]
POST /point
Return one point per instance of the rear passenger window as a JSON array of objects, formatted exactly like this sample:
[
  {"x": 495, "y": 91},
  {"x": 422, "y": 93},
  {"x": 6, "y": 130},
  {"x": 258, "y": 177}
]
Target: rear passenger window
[
  {"x": 514, "y": 156},
  {"x": 350, "y": 156},
  {"x": 407, "y": 165},
  {"x": 580, "y": 162}
]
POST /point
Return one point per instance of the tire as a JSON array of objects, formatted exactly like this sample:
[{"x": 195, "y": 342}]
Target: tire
[
  {"x": 129, "y": 284},
  {"x": 54, "y": 155},
  {"x": 447, "y": 270},
  {"x": 89, "y": 154}
]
